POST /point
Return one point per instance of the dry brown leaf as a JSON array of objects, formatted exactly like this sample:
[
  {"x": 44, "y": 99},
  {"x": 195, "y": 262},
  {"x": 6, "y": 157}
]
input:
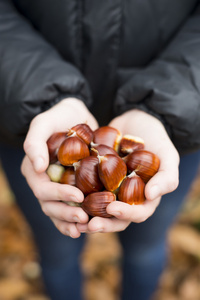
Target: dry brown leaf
[
  {"x": 12, "y": 288},
  {"x": 190, "y": 289},
  {"x": 186, "y": 239}
]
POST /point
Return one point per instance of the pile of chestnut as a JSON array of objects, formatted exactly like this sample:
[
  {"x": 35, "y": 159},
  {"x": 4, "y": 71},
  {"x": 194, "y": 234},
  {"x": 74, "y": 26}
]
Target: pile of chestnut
[{"x": 103, "y": 164}]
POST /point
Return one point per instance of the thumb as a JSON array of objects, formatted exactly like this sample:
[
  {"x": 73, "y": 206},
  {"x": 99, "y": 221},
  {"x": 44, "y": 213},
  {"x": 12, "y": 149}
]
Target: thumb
[
  {"x": 36, "y": 149},
  {"x": 163, "y": 182},
  {"x": 38, "y": 154}
]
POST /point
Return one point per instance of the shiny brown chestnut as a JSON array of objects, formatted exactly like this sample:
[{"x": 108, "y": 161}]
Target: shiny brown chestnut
[
  {"x": 130, "y": 143},
  {"x": 131, "y": 190},
  {"x": 112, "y": 170},
  {"x": 53, "y": 143},
  {"x": 95, "y": 204},
  {"x": 83, "y": 131},
  {"x": 107, "y": 135},
  {"x": 68, "y": 176},
  {"x": 101, "y": 149},
  {"x": 86, "y": 175},
  {"x": 144, "y": 163},
  {"x": 72, "y": 150}
]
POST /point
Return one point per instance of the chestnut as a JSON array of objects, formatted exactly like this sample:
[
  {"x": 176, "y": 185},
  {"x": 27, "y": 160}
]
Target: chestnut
[
  {"x": 144, "y": 163},
  {"x": 131, "y": 190},
  {"x": 53, "y": 143},
  {"x": 112, "y": 170},
  {"x": 107, "y": 135},
  {"x": 130, "y": 143},
  {"x": 68, "y": 176},
  {"x": 95, "y": 204},
  {"x": 72, "y": 150},
  {"x": 83, "y": 131},
  {"x": 100, "y": 149},
  {"x": 55, "y": 172},
  {"x": 86, "y": 175}
]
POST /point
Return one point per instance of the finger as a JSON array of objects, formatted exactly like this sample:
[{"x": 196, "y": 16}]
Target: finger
[
  {"x": 82, "y": 227},
  {"x": 98, "y": 224},
  {"x": 133, "y": 213},
  {"x": 162, "y": 183},
  {"x": 167, "y": 178},
  {"x": 64, "y": 212},
  {"x": 44, "y": 189},
  {"x": 66, "y": 228},
  {"x": 35, "y": 145}
]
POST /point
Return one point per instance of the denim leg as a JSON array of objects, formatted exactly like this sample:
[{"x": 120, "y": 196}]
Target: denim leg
[
  {"x": 59, "y": 254},
  {"x": 144, "y": 244}
]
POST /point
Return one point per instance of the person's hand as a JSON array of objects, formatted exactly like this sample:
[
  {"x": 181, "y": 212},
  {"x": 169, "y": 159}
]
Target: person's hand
[
  {"x": 156, "y": 139},
  {"x": 61, "y": 117}
]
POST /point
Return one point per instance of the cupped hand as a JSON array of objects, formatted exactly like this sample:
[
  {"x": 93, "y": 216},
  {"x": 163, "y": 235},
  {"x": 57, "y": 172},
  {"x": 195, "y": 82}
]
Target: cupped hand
[
  {"x": 139, "y": 123},
  {"x": 60, "y": 117},
  {"x": 51, "y": 195}
]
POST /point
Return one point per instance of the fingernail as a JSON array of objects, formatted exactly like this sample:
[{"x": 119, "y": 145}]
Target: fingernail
[
  {"x": 98, "y": 230},
  {"x": 67, "y": 232},
  {"x": 83, "y": 228},
  {"x": 154, "y": 192},
  {"x": 72, "y": 198},
  {"x": 72, "y": 201},
  {"x": 83, "y": 231},
  {"x": 116, "y": 213},
  {"x": 76, "y": 219},
  {"x": 38, "y": 164}
]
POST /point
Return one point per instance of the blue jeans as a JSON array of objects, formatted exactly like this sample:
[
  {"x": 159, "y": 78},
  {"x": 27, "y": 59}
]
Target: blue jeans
[
  {"x": 59, "y": 254},
  {"x": 144, "y": 244}
]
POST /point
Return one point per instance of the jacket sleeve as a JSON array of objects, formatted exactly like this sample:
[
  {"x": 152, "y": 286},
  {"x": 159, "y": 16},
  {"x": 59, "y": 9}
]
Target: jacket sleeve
[
  {"x": 169, "y": 87},
  {"x": 33, "y": 76}
]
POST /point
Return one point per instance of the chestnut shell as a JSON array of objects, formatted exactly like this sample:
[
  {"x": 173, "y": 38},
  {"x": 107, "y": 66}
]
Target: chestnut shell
[
  {"x": 131, "y": 190},
  {"x": 86, "y": 175},
  {"x": 112, "y": 170},
  {"x": 100, "y": 149},
  {"x": 95, "y": 204},
  {"x": 72, "y": 150},
  {"x": 144, "y": 163},
  {"x": 84, "y": 132},
  {"x": 68, "y": 177},
  {"x": 53, "y": 143},
  {"x": 107, "y": 135}
]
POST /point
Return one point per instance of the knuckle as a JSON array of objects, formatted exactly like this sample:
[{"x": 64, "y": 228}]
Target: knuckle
[
  {"x": 145, "y": 215},
  {"x": 36, "y": 121},
  {"x": 59, "y": 193},
  {"x": 22, "y": 168},
  {"x": 63, "y": 228},
  {"x": 28, "y": 144},
  {"x": 141, "y": 219},
  {"x": 38, "y": 193},
  {"x": 124, "y": 226},
  {"x": 62, "y": 215},
  {"x": 45, "y": 209},
  {"x": 58, "y": 225},
  {"x": 173, "y": 184}
]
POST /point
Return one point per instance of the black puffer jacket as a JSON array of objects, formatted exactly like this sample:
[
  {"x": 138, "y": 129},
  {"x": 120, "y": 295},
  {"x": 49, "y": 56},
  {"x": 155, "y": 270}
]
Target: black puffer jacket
[{"x": 114, "y": 55}]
